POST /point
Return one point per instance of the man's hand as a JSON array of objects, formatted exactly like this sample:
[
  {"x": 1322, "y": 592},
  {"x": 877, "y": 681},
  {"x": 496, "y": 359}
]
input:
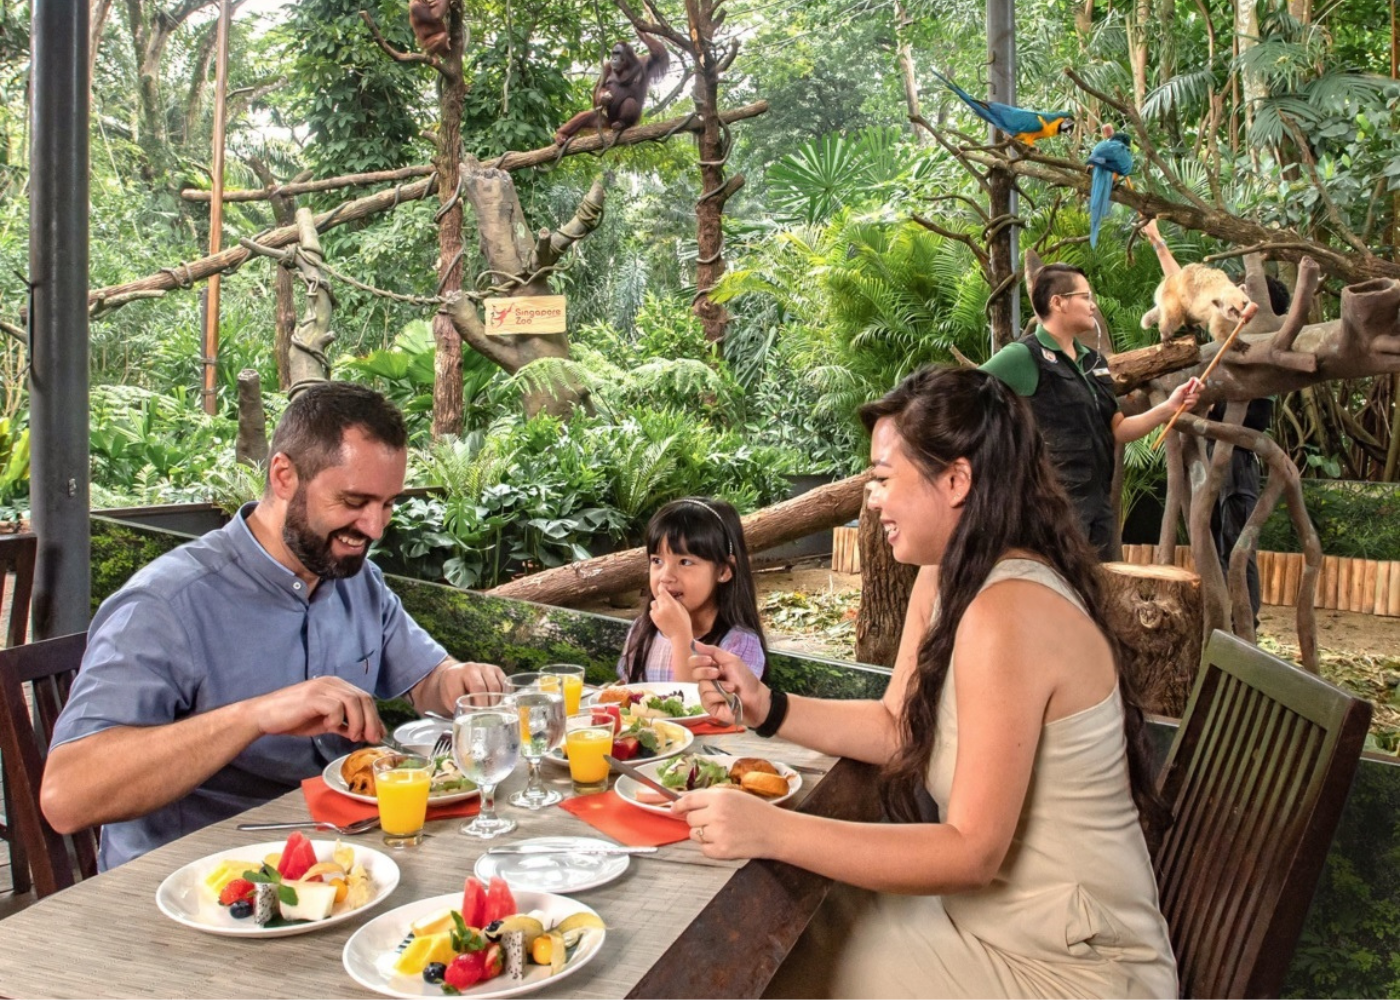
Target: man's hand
[
  {"x": 1188, "y": 393},
  {"x": 322, "y": 705},
  {"x": 450, "y": 680}
]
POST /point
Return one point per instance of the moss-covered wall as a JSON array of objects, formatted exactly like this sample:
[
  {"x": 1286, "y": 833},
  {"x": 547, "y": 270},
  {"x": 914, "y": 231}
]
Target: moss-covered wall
[{"x": 1350, "y": 945}]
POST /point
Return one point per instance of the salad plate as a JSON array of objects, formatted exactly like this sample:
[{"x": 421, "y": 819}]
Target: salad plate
[
  {"x": 634, "y": 793},
  {"x": 677, "y": 738},
  {"x": 370, "y": 953},
  {"x": 548, "y": 871},
  {"x": 185, "y": 899},
  {"x": 684, "y": 706},
  {"x": 331, "y": 776}
]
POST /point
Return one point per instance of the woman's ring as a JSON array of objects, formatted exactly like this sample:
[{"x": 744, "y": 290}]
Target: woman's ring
[{"x": 700, "y": 834}]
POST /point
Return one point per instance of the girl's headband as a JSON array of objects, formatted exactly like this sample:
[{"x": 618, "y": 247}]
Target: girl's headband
[{"x": 728, "y": 541}]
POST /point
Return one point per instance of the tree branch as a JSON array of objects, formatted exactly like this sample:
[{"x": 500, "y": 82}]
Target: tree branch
[{"x": 395, "y": 54}]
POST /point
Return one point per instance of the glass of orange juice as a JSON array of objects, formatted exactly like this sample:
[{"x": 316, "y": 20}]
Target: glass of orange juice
[
  {"x": 587, "y": 743},
  {"x": 569, "y": 681},
  {"x": 401, "y": 783}
]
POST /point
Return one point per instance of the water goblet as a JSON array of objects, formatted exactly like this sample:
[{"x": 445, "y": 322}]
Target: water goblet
[
  {"x": 541, "y": 730},
  {"x": 486, "y": 746}
]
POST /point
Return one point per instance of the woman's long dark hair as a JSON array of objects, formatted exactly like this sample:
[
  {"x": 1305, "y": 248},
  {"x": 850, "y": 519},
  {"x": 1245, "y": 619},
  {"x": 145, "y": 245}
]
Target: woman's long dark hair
[
  {"x": 1015, "y": 502},
  {"x": 706, "y": 529}
]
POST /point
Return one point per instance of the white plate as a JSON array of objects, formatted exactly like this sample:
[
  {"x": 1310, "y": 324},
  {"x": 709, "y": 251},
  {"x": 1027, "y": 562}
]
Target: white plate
[
  {"x": 562, "y": 873},
  {"x": 421, "y": 734},
  {"x": 680, "y": 736},
  {"x": 626, "y": 787},
  {"x": 690, "y": 697},
  {"x": 372, "y": 950},
  {"x": 331, "y": 776},
  {"x": 184, "y": 898}
]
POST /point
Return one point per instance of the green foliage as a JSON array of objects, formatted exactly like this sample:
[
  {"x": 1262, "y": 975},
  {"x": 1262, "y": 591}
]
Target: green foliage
[
  {"x": 14, "y": 468},
  {"x": 1361, "y": 520},
  {"x": 518, "y": 94}
]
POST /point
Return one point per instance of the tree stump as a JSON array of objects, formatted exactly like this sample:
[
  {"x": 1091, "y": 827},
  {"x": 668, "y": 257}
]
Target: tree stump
[
  {"x": 884, "y": 594},
  {"x": 1157, "y": 615}
]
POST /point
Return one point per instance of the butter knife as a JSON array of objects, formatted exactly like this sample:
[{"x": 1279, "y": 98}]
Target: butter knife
[
  {"x": 562, "y": 849},
  {"x": 637, "y": 775}
]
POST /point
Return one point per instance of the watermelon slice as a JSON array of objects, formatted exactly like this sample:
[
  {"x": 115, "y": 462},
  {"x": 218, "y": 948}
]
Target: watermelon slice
[
  {"x": 297, "y": 857},
  {"x": 474, "y": 903},
  {"x": 499, "y": 902}
]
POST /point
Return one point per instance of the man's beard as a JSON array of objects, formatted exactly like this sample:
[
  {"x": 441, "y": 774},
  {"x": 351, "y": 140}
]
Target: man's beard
[{"x": 314, "y": 550}]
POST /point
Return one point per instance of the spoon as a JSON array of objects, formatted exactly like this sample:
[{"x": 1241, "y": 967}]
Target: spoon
[{"x": 363, "y": 826}]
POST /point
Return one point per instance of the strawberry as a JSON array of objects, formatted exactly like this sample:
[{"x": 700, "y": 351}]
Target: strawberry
[
  {"x": 239, "y": 888},
  {"x": 626, "y": 748},
  {"x": 465, "y": 971}
]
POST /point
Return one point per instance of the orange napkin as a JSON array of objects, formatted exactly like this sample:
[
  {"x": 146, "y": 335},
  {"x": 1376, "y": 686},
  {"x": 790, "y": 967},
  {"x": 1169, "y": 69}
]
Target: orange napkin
[
  {"x": 626, "y": 824},
  {"x": 329, "y": 806},
  {"x": 712, "y": 728}
]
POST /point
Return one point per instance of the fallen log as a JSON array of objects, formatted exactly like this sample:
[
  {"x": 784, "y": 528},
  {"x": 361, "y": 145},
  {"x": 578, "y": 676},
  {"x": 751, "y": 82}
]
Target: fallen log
[{"x": 565, "y": 586}]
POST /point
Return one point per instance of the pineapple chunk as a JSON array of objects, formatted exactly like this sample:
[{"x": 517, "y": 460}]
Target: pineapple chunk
[
  {"x": 434, "y": 923},
  {"x": 423, "y": 950},
  {"x": 226, "y": 871}
]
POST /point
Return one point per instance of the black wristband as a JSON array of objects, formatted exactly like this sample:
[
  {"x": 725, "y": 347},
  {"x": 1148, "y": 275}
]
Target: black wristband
[{"x": 777, "y": 712}]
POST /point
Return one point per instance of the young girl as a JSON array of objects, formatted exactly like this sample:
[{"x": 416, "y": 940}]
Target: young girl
[{"x": 702, "y": 588}]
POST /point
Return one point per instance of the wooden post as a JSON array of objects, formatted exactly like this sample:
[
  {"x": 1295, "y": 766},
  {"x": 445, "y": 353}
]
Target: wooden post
[
  {"x": 1157, "y": 615},
  {"x": 1345, "y": 569},
  {"x": 1368, "y": 588},
  {"x": 1393, "y": 605},
  {"x": 1293, "y": 578},
  {"x": 1382, "y": 588},
  {"x": 1327, "y": 593}
]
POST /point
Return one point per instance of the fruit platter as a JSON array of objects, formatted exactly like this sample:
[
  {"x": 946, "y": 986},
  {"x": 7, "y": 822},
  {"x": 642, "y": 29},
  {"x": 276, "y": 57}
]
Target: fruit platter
[
  {"x": 676, "y": 701},
  {"x": 277, "y": 889},
  {"x": 765, "y": 779},
  {"x": 634, "y": 738},
  {"x": 486, "y": 942}
]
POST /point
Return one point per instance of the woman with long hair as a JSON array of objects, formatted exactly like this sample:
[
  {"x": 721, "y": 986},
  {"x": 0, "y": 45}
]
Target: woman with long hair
[{"x": 1006, "y": 706}]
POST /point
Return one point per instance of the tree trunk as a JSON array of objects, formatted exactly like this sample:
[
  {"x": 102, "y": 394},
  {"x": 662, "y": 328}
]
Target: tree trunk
[
  {"x": 884, "y": 595},
  {"x": 823, "y": 507},
  {"x": 313, "y": 335},
  {"x": 447, "y": 364},
  {"x": 284, "y": 293},
  {"x": 715, "y": 190},
  {"x": 251, "y": 446},
  {"x": 1155, "y": 614},
  {"x": 905, "y": 60},
  {"x": 1001, "y": 309},
  {"x": 1139, "y": 15}
]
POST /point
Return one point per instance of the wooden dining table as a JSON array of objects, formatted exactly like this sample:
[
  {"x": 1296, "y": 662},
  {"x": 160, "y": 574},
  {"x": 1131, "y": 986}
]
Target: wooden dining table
[{"x": 678, "y": 923}]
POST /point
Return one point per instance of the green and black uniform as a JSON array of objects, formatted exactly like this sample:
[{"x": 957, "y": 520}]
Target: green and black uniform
[{"x": 1074, "y": 404}]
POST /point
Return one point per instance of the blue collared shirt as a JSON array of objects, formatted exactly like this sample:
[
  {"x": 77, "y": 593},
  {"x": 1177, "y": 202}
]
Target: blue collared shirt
[{"x": 216, "y": 621}]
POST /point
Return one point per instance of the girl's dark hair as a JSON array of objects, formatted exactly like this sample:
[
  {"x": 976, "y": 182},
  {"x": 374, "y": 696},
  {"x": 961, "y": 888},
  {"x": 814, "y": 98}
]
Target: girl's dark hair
[
  {"x": 706, "y": 529},
  {"x": 1015, "y": 502}
]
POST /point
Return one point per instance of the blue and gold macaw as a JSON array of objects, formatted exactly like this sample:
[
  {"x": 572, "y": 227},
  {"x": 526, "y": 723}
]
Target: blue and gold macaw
[
  {"x": 1021, "y": 124},
  {"x": 1111, "y": 159}
]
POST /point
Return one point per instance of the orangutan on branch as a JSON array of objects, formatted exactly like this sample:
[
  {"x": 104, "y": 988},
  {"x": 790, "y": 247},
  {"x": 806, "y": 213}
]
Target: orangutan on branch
[{"x": 621, "y": 90}]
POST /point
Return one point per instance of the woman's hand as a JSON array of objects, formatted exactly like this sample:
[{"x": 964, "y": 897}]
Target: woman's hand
[
  {"x": 1150, "y": 230},
  {"x": 670, "y": 617},
  {"x": 729, "y": 824},
  {"x": 710, "y": 663},
  {"x": 1187, "y": 394}
]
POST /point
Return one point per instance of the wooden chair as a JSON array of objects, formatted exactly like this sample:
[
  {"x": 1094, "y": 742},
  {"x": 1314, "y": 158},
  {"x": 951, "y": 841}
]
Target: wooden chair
[
  {"x": 48, "y": 669},
  {"x": 1256, "y": 780},
  {"x": 17, "y": 556}
]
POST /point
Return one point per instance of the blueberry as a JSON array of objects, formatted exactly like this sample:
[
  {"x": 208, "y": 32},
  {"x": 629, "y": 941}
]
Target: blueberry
[
  {"x": 242, "y": 909},
  {"x": 433, "y": 972}
]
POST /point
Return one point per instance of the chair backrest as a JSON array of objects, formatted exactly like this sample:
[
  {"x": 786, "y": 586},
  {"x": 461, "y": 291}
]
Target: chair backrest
[
  {"x": 1256, "y": 780},
  {"x": 47, "y": 668},
  {"x": 17, "y": 554}
]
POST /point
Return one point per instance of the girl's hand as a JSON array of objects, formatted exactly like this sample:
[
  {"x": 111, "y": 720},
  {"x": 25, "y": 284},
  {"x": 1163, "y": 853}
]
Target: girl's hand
[
  {"x": 670, "y": 617},
  {"x": 1150, "y": 230},
  {"x": 710, "y": 663},
  {"x": 729, "y": 824}
]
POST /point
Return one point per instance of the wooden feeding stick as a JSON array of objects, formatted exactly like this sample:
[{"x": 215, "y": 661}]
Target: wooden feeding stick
[{"x": 1245, "y": 317}]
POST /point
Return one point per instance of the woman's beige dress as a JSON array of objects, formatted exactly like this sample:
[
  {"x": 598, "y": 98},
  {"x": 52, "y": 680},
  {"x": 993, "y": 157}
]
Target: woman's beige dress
[{"x": 1072, "y": 912}]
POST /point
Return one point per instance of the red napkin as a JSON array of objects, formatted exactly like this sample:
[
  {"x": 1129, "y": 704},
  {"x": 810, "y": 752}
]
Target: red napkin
[
  {"x": 329, "y": 806},
  {"x": 711, "y": 727},
  {"x": 626, "y": 824}
]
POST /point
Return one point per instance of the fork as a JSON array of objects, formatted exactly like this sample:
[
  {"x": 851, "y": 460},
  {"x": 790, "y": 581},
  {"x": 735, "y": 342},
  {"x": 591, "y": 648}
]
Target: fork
[
  {"x": 363, "y": 826},
  {"x": 443, "y": 746},
  {"x": 732, "y": 699}
]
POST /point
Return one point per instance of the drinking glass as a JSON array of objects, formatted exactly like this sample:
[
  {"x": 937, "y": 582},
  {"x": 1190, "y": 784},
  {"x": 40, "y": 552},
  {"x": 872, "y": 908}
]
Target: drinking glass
[
  {"x": 569, "y": 681},
  {"x": 541, "y": 730},
  {"x": 401, "y": 785},
  {"x": 587, "y": 743},
  {"x": 486, "y": 746}
]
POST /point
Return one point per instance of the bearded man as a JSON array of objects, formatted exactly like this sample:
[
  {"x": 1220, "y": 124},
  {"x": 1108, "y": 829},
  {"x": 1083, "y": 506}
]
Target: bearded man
[{"x": 227, "y": 671}]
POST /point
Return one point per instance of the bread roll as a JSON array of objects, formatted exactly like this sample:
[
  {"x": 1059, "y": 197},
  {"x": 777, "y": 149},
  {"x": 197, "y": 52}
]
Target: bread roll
[
  {"x": 769, "y": 786},
  {"x": 747, "y": 765},
  {"x": 358, "y": 769}
]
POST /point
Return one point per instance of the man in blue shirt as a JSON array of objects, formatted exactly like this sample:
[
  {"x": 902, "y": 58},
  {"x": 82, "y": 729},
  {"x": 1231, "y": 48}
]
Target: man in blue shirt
[{"x": 230, "y": 669}]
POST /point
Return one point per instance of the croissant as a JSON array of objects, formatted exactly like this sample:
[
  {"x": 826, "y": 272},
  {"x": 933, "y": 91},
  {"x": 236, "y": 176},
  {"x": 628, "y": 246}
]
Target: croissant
[{"x": 358, "y": 769}]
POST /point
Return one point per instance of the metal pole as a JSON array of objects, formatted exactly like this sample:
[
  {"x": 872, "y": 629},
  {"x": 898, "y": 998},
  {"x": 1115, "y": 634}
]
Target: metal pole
[
  {"x": 58, "y": 332},
  {"x": 1001, "y": 86},
  {"x": 216, "y": 215}
]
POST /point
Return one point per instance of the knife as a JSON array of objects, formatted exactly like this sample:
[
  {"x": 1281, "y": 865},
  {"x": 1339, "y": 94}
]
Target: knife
[
  {"x": 637, "y": 775},
  {"x": 547, "y": 849}
]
